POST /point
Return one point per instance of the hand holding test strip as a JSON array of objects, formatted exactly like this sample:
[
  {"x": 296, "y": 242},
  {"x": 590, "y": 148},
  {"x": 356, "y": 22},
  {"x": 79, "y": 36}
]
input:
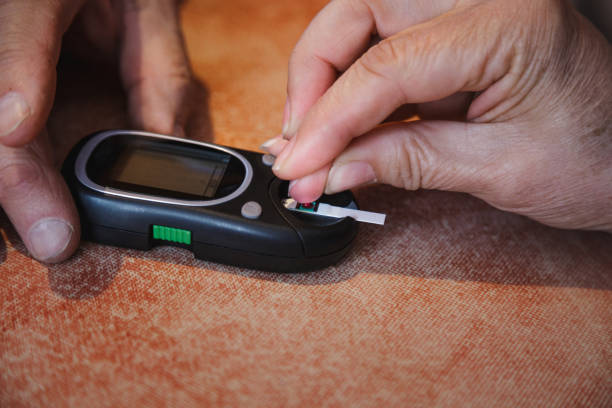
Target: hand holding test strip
[{"x": 335, "y": 211}]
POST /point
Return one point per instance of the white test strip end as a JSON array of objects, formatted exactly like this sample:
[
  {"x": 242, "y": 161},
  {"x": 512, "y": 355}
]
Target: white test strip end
[
  {"x": 338, "y": 212},
  {"x": 359, "y": 215}
]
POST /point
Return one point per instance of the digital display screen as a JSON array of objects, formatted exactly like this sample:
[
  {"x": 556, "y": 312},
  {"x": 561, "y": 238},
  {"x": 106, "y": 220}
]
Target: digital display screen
[{"x": 198, "y": 175}]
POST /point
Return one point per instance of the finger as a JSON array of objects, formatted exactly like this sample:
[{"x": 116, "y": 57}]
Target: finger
[
  {"x": 440, "y": 155},
  {"x": 30, "y": 38},
  {"x": 463, "y": 157},
  {"x": 37, "y": 201},
  {"x": 94, "y": 33},
  {"x": 332, "y": 41},
  {"x": 309, "y": 188},
  {"x": 422, "y": 64},
  {"x": 336, "y": 37},
  {"x": 154, "y": 65},
  {"x": 274, "y": 146}
]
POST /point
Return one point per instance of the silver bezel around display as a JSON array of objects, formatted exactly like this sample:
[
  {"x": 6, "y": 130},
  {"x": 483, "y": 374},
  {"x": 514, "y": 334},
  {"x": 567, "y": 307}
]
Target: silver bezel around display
[{"x": 80, "y": 168}]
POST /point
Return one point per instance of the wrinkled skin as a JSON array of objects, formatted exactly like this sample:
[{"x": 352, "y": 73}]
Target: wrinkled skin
[
  {"x": 32, "y": 191},
  {"x": 514, "y": 97}
]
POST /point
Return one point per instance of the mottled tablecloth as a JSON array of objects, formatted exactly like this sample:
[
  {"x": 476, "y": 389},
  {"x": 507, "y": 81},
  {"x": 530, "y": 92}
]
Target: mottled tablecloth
[{"x": 452, "y": 303}]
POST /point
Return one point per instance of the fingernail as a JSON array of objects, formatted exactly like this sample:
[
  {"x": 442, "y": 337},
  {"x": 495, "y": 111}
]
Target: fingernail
[
  {"x": 349, "y": 175},
  {"x": 278, "y": 163},
  {"x": 49, "y": 237},
  {"x": 286, "y": 117},
  {"x": 13, "y": 110},
  {"x": 292, "y": 184},
  {"x": 283, "y": 158},
  {"x": 269, "y": 143}
]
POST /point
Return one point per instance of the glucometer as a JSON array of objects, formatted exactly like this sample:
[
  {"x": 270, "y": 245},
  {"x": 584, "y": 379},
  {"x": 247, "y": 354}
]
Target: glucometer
[{"x": 139, "y": 190}]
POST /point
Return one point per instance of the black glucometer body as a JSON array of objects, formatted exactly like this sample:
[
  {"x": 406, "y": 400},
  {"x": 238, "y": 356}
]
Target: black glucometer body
[{"x": 138, "y": 190}]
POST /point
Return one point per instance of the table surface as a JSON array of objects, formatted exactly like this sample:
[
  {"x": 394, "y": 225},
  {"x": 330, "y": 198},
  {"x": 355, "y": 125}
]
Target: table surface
[{"x": 450, "y": 303}]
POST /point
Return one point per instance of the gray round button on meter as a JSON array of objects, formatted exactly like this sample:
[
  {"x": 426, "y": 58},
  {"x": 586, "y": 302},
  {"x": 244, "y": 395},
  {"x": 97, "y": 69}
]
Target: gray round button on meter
[
  {"x": 251, "y": 210},
  {"x": 268, "y": 159}
]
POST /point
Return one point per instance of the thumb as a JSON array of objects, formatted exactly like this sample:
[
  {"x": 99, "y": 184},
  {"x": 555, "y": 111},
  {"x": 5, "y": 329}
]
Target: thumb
[
  {"x": 30, "y": 38},
  {"x": 440, "y": 155},
  {"x": 37, "y": 201}
]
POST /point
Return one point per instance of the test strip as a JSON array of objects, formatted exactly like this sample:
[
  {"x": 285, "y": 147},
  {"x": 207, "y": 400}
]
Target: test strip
[{"x": 335, "y": 211}]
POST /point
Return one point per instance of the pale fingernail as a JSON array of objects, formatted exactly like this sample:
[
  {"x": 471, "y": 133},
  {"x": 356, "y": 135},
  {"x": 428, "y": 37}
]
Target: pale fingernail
[
  {"x": 279, "y": 163},
  {"x": 49, "y": 237},
  {"x": 269, "y": 143},
  {"x": 344, "y": 176},
  {"x": 292, "y": 184},
  {"x": 283, "y": 158},
  {"x": 286, "y": 117},
  {"x": 13, "y": 110}
]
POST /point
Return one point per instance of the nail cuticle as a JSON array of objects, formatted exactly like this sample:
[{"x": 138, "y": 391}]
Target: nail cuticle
[
  {"x": 292, "y": 185},
  {"x": 281, "y": 160},
  {"x": 268, "y": 144}
]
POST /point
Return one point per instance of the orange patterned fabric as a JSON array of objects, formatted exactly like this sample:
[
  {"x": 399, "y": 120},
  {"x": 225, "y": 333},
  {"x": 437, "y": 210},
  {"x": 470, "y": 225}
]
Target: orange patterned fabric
[{"x": 452, "y": 303}]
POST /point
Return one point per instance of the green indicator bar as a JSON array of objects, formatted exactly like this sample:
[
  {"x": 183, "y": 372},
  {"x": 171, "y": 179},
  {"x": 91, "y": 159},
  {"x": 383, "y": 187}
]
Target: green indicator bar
[{"x": 177, "y": 235}]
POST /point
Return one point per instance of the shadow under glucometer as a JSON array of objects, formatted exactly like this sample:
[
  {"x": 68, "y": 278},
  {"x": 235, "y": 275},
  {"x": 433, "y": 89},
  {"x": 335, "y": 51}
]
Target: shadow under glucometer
[
  {"x": 455, "y": 237},
  {"x": 380, "y": 250}
]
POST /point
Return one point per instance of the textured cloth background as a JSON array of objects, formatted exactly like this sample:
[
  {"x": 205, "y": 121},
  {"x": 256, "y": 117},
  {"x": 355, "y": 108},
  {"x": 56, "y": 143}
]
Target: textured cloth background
[{"x": 452, "y": 303}]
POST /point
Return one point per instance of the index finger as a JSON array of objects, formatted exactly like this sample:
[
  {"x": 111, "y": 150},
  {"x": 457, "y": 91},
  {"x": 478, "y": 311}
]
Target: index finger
[
  {"x": 332, "y": 41},
  {"x": 336, "y": 37}
]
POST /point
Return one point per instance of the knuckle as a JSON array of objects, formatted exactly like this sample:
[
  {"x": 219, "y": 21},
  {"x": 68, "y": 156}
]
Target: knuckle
[
  {"x": 388, "y": 61},
  {"x": 380, "y": 59},
  {"x": 408, "y": 163},
  {"x": 19, "y": 176}
]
